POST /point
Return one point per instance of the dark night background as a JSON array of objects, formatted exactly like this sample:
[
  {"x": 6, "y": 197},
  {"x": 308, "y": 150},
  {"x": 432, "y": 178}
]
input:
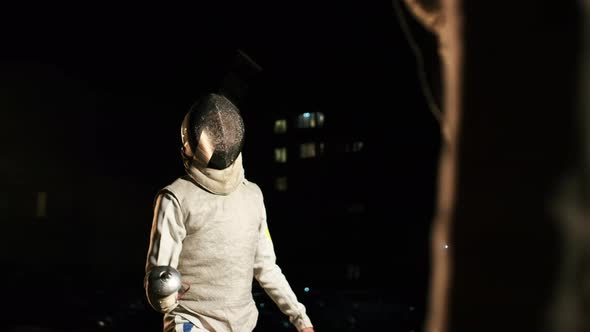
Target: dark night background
[{"x": 92, "y": 97}]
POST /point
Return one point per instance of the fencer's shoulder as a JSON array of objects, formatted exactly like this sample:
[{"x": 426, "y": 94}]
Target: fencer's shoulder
[
  {"x": 181, "y": 187},
  {"x": 252, "y": 187},
  {"x": 177, "y": 184}
]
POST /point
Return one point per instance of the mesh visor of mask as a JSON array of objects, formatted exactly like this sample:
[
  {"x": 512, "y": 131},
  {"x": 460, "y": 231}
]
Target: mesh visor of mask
[{"x": 214, "y": 132}]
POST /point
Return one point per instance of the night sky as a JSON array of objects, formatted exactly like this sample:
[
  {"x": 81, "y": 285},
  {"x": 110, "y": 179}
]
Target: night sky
[{"x": 93, "y": 96}]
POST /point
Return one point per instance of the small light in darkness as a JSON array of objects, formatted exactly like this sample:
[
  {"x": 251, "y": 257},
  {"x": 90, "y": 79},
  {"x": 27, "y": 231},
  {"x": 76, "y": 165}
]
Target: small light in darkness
[
  {"x": 306, "y": 289},
  {"x": 41, "y": 204},
  {"x": 446, "y": 246}
]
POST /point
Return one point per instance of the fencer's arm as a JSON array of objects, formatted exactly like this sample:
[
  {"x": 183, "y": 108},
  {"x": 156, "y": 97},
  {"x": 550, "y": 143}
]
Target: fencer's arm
[
  {"x": 275, "y": 284},
  {"x": 167, "y": 233}
]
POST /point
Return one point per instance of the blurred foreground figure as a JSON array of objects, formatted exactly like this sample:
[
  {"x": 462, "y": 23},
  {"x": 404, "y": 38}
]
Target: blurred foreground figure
[
  {"x": 511, "y": 234},
  {"x": 210, "y": 232}
]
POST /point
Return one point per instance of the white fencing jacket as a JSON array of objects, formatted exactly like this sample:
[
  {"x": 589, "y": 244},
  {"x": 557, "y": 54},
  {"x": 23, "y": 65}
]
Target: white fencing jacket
[{"x": 218, "y": 239}]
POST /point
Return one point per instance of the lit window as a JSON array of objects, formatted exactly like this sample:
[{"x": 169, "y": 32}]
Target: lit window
[
  {"x": 281, "y": 183},
  {"x": 41, "y": 204},
  {"x": 354, "y": 146},
  {"x": 311, "y": 150},
  {"x": 280, "y": 126},
  {"x": 307, "y": 150},
  {"x": 357, "y": 146},
  {"x": 320, "y": 118},
  {"x": 310, "y": 120},
  {"x": 281, "y": 155}
]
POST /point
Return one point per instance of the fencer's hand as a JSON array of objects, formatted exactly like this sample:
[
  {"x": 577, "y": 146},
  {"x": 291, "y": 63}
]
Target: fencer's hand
[
  {"x": 307, "y": 329},
  {"x": 168, "y": 303}
]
